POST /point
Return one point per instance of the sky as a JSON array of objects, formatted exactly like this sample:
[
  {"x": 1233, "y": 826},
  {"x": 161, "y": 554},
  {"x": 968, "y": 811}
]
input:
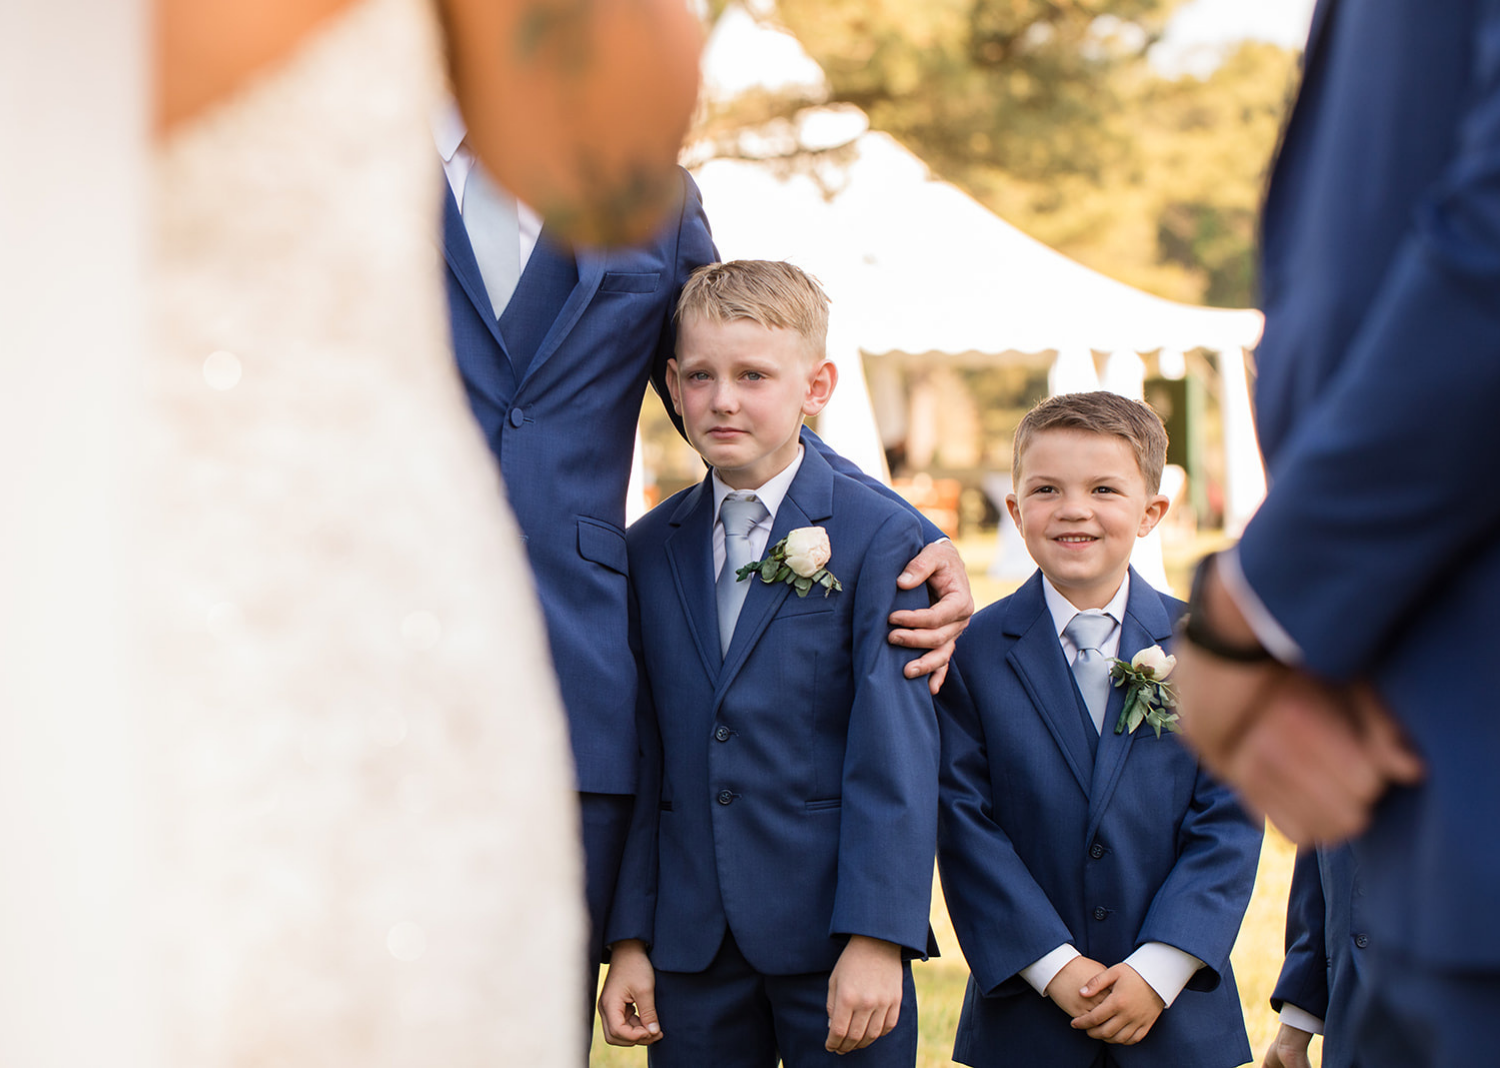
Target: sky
[{"x": 1202, "y": 29}]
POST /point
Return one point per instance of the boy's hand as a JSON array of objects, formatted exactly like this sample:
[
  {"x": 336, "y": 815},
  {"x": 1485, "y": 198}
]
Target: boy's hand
[
  {"x": 627, "y": 1004},
  {"x": 1289, "y": 1050},
  {"x": 1128, "y": 1010},
  {"x": 864, "y": 994},
  {"x": 938, "y": 627},
  {"x": 1066, "y": 984}
]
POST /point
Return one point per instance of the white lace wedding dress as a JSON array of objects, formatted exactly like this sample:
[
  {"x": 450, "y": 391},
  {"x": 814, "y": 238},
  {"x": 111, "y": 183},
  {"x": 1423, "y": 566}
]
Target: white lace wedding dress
[{"x": 343, "y": 770}]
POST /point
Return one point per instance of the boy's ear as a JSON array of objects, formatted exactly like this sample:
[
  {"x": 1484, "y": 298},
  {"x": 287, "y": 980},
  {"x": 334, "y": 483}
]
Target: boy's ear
[
  {"x": 674, "y": 385},
  {"x": 1156, "y": 507},
  {"x": 820, "y": 388},
  {"x": 1013, "y": 506}
]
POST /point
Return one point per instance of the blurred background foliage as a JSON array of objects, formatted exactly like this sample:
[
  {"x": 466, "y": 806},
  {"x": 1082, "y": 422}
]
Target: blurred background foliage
[{"x": 1051, "y": 113}]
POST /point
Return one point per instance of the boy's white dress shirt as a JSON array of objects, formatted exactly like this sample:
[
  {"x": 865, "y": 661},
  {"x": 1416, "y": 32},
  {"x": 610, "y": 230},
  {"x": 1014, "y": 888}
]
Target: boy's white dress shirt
[{"x": 1165, "y": 968}]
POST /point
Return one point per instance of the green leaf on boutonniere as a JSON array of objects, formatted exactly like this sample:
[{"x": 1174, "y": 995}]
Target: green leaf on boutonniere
[{"x": 1149, "y": 698}]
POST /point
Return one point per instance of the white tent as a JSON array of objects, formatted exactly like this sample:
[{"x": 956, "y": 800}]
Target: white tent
[{"x": 915, "y": 266}]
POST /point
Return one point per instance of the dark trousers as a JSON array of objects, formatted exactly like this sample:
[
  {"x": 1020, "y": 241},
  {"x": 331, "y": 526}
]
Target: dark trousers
[
  {"x": 1412, "y": 1016},
  {"x": 731, "y": 1016},
  {"x": 605, "y": 820}
]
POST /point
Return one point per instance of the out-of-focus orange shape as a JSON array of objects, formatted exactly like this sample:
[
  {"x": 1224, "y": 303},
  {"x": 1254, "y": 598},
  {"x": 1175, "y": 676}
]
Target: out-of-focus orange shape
[{"x": 579, "y": 107}]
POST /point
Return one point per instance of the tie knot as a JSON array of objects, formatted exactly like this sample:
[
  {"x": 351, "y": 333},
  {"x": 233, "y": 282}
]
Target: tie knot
[
  {"x": 740, "y": 516},
  {"x": 1088, "y": 629}
]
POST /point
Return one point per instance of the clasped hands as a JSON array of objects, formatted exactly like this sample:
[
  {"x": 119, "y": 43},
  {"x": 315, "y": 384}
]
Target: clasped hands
[
  {"x": 1112, "y": 1004},
  {"x": 1311, "y": 756}
]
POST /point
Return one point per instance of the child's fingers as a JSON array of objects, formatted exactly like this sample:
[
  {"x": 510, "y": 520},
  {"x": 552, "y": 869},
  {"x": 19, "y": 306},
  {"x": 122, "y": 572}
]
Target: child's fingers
[
  {"x": 1103, "y": 981},
  {"x": 1101, "y": 1012}
]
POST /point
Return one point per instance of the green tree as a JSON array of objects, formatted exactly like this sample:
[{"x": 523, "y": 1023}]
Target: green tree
[{"x": 1049, "y": 112}]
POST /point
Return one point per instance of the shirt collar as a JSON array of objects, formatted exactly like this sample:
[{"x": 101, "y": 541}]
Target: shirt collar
[
  {"x": 448, "y": 129},
  {"x": 1063, "y": 611},
  {"x": 771, "y": 494}
]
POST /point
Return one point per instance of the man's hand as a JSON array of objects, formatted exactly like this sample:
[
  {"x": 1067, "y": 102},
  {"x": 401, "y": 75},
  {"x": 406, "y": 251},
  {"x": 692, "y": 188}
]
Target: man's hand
[
  {"x": 1064, "y": 990},
  {"x": 1312, "y": 757},
  {"x": 864, "y": 994},
  {"x": 627, "y": 1004},
  {"x": 1317, "y": 759},
  {"x": 938, "y": 627},
  {"x": 1128, "y": 1010},
  {"x": 1289, "y": 1049}
]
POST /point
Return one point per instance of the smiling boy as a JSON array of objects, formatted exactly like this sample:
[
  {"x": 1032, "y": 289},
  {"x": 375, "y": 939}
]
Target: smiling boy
[
  {"x": 777, "y": 877},
  {"x": 1096, "y": 877}
]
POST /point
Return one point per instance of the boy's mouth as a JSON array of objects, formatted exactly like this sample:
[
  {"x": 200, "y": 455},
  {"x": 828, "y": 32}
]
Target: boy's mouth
[{"x": 1075, "y": 539}]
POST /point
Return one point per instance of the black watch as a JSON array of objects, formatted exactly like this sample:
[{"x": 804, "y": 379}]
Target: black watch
[{"x": 1196, "y": 628}]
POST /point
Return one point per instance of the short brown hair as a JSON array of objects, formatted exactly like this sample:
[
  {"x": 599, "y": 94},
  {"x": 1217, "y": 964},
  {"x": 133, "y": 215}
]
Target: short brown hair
[
  {"x": 769, "y": 292},
  {"x": 1099, "y": 412}
]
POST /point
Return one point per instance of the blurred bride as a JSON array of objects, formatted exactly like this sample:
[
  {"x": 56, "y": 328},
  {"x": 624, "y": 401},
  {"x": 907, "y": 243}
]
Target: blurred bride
[{"x": 284, "y": 778}]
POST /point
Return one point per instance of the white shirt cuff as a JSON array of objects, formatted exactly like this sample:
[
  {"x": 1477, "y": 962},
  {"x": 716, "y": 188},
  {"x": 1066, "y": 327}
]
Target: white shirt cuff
[
  {"x": 1271, "y": 634},
  {"x": 1165, "y": 968},
  {"x": 1041, "y": 973},
  {"x": 1301, "y": 1019}
]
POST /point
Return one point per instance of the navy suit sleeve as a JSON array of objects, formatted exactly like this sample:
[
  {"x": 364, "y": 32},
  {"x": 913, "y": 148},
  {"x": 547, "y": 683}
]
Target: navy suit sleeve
[
  {"x": 1304, "y": 974},
  {"x": 930, "y": 530},
  {"x": 633, "y": 911},
  {"x": 694, "y": 248},
  {"x": 1200, "y": 906},
  {"x": 1003, "y": 918},
  {"x": 888, "y": 818},
  {"x": 1361, "y": 522}
]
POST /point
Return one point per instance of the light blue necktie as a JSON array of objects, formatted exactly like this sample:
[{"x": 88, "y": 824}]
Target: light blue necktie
[
  {"x": 494, "y": 228},
  {"x": 739, "y": 518},
  {"x": 1087, "y": 631}
]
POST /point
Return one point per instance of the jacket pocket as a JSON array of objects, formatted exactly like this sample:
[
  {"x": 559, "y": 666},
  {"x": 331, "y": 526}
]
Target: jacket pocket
[
  {"x": 824, "y": 803},
  {"x": 602, "y": 543},
  {"x": 630, "y": 281}
]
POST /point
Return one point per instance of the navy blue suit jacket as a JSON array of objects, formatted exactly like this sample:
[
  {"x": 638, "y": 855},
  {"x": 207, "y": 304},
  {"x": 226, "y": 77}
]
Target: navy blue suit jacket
[
  {"x": 1378, "y": 545},
  {"x": 556, "y": 385},
  {"x": 1325, "y": 944},
  {"x": 789, "y": 790},
  {"x": 1041, "y": 843}
]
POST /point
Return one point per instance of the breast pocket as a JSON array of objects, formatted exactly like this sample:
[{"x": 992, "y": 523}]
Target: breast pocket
[
  {"x": 630, "y": 281},
  {"x": 602, "y": 543}
]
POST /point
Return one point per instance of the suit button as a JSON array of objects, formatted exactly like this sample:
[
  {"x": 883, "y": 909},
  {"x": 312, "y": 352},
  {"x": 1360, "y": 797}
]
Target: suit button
[
  {"x": 517, "y": 417},
  {"x": 725, "y": 797},
  {"x": 1096, "y": 851},
  {"x": 1100, "y": 912},
  {"x": 1362, "y": 941},
  {"x": 721, "y": 734}
]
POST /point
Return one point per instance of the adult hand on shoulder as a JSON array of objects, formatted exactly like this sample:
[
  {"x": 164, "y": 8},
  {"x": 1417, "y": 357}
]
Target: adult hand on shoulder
[
  {"x": 1289, "y": 1049},
  {"x": 1066, "y": 987},
  {"x": 864, "y": 994},
  {"x": 1128, "y": 1011},
  {"x": 938, "y": 627},
  {"x": 627, "y": 1004}
]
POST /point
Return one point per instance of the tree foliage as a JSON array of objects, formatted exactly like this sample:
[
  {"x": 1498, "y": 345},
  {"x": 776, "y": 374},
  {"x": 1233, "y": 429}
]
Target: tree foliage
[{"x": 1049, "y": 112}]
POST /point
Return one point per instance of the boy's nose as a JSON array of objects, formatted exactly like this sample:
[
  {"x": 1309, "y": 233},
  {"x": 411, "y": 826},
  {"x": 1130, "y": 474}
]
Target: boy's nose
[{"x": 724, "y": 398}]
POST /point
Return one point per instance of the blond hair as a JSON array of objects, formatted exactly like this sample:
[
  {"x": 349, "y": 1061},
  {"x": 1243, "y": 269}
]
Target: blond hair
[
  {"x": 774, "y": 294},
  {"x": 1099, "y": 412}
]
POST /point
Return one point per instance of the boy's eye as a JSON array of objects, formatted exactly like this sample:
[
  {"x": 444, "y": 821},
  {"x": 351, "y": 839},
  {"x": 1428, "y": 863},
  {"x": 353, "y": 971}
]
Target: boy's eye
[
  {"x": 1044, "y": 489},
  {"x": 754, "y": 376},
  {"x": 1104, "y": 489},
  {"x": 697, "y": 376}
]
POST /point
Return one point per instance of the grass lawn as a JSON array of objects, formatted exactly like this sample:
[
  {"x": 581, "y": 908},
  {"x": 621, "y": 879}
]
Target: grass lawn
[{"x": 940, "y": 982}]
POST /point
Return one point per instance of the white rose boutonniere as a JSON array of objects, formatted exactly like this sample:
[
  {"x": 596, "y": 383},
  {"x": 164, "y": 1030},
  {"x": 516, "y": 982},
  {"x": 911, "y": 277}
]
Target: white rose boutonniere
[
  {"x": 1150, "y": 698},
  {"x": 799, "y": 560}
]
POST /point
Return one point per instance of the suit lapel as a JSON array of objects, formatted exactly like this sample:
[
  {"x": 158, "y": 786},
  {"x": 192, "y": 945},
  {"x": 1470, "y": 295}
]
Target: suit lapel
[
  {"x": 1146, "y": 623},
  {"x": 690, "y": 554},
  {"x": 590, "y": 273},
  {"x": 1038, "y": 661},
  {"x": 808, "y": 501},
  {"x": 494, "y": 378}
]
